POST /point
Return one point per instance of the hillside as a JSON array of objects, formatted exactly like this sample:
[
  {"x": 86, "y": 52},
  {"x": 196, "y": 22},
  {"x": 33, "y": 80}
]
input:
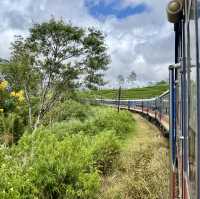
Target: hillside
[{"x": 135, "y": 93}]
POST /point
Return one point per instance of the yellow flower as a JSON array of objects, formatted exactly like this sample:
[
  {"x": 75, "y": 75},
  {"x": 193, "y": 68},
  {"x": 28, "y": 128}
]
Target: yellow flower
[
  {"x": 21, "y": 98},
  {"x": 13, "y": 94},
  {"x": 3, "y": 85},
  {"x": 19, "y": 95},
  {"x": 1, "y": 110}
]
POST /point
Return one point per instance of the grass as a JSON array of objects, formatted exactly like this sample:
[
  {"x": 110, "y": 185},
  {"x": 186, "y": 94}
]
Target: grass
[
  {"x": 134, "y": 93},
  {"x": 68, "y": 157},
  {"x": 87, "y": 153},
  {"x": 142, "y": 169}
]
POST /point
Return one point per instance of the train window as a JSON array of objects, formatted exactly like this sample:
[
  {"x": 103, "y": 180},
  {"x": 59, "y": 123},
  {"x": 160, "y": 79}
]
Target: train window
[{"x": 192, "y": 101}]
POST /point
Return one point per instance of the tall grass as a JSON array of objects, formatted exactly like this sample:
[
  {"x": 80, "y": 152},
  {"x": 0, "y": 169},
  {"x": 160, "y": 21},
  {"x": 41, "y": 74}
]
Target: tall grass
[
  {"x": 65, "y": 159},
  {"x": 142, "y": 171}
]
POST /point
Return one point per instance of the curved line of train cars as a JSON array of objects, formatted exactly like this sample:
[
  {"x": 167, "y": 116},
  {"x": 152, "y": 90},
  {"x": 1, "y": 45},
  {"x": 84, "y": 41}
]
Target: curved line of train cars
[{"x": 156, "y": 108}]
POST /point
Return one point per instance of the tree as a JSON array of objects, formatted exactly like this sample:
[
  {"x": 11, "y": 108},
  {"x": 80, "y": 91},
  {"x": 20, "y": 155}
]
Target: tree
[
  {"x": 96, "y": 60},
  {"x": 120, "y": 79},
  {"x": 162, "y": 82},
  {"x": 55, "y": 59},
  {"x": 132, "y": 78},
  {"x": 20, "y": 73}
]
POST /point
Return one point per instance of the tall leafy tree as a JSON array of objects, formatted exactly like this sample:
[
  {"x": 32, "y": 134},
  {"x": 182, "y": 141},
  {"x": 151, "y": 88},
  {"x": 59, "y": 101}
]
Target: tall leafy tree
[
  {"x": 96, "y": 60},
  {"x": 56, "y": 58},
  {"x": 120, "y": 79},
  {"x": 132, "y": 77}
]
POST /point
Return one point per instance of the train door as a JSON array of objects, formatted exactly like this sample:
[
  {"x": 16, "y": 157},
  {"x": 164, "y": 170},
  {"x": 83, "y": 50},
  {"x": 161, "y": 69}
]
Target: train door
[{"x": 172, "y": 133}]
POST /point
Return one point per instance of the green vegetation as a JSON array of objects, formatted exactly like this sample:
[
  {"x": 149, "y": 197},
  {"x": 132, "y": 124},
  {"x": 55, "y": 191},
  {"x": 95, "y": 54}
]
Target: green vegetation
[
  {"x": 134, "y": 93},
  {"x": 51, "y": 146},
  {"x": 63, "y": 160},
  {"x": 105, "y": 155},
  {"x": 142, "y": 170},
  {"x": 52, "y": 62}
]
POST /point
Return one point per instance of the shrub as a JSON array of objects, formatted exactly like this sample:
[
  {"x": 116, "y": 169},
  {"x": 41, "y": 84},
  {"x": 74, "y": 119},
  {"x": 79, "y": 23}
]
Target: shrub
[
  {"x": 100, "y": 119},
  {"x": 64, "y": 160},
  {"x": 105, "y": 150},
  {"x": 109, "y": 119},
  {"x": 66, "y": 111},
  {"x": 50, "y": 168},
  {"x": 11, "y": 128}
]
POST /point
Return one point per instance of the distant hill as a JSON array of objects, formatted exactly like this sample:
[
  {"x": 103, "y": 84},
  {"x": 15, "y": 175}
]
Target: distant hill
[{"x": 134, "y": 93}]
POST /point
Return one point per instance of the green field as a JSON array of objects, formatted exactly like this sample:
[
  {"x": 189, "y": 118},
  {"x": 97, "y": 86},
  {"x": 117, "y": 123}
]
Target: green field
[{"x": 135, "y": 93}]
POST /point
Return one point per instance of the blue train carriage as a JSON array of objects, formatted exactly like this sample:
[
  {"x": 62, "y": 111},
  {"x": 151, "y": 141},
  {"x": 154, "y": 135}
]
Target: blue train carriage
[
  {"x": 162, "y": 110},
  {"x": 185, "y": 100},
  {"x": 140, "y": 105}
]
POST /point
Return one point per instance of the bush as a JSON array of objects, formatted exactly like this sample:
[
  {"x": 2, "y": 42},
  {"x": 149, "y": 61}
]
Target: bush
[
  {"x": 11, "y": 128},
  {"x": 101, "y": 119},
  {"x": 64, "y": 160},
  {"x": 105, "y": 150},
  {"x": 109, "y": 119},
  {"x": 45, "y": 166},
  {"x": 66, "y": 111},
  {"x": 50, "y": 168}
]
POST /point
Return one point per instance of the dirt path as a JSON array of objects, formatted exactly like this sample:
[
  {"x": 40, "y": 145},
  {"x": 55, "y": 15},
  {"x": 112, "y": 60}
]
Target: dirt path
[{"x": 142, "y": 169}]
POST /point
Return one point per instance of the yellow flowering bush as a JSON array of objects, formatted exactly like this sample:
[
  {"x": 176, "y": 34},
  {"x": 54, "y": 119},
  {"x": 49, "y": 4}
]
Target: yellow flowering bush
[
  {"x": 3, "y": 85},
  {"x": 19, "y": 95},
  {"x": 9, "y": 100},
  {"x": 13, "y": 94},
  {"x": 11, "y": 114}
]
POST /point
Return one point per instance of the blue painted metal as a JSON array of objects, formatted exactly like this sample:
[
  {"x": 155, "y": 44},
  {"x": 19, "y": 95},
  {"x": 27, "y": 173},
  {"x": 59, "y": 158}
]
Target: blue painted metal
[
  {"x": 172, "y": 116},
  {"x": 129, "y": 104}
]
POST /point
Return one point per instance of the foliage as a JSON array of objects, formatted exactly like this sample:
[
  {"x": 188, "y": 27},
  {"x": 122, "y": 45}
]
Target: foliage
[
  {"x": 120, "y": 79},
  {"x": 11, "y": 128},
  {"x": 53, "y": 61},
  {"x": 99, "y": 120},
  {"x": 142, "y": 169},
  {"x": 132, "y": 77},
  {"x": 56, "y": 163},
  {"x": 6, "y": 102},
  {"x": 105, "y": 151},
  {"x": 10, "y": 101},
  {"x": 19, "y": 95},
  {"x": 67, "y": 110},
  {"x": 11, "y": 114},
  {"x": 52, "y": 170},
  {"x": 109, "y": 119},
  {"x": 161, "y": 82}
]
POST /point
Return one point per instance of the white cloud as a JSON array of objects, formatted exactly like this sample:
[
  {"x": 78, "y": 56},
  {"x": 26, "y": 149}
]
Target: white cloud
[{"x": 142, "y": 42}]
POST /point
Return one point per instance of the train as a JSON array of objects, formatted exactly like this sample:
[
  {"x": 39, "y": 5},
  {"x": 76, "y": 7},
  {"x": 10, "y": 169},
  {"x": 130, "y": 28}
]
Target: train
[
  {"x": 177, "y": 110},
  {"x": 155, "y": 109}
]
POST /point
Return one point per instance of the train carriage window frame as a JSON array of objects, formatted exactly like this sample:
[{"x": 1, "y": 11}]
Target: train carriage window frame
[
  {"x": 192, "y": 91},
  {"x": 197, "y": 16}
]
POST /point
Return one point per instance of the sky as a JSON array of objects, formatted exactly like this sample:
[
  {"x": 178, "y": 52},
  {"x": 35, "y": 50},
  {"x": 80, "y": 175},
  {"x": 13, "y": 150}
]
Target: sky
[{"x": 138, "y": 35}]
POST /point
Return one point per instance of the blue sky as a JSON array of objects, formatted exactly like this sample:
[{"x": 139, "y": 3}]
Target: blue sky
[{"x": 103, "y": 9}]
